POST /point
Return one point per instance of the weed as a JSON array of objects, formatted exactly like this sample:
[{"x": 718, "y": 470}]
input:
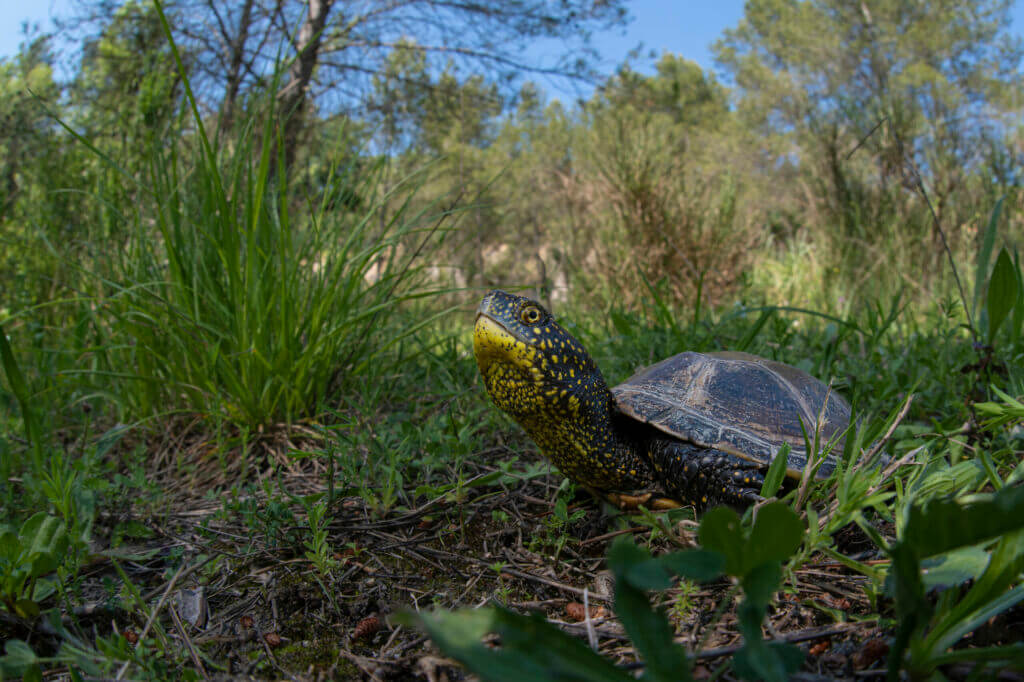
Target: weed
[
  {"x": 27, "y": 556},
  {"x": 558, "y": 524}
]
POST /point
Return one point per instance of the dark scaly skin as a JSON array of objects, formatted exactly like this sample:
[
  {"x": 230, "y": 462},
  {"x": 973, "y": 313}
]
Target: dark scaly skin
[{"x": 543, "y": 378}]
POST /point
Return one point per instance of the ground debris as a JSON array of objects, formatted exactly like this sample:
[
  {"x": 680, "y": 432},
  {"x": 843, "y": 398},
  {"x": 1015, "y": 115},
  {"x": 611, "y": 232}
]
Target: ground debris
[{"x": 253, "y": 598}]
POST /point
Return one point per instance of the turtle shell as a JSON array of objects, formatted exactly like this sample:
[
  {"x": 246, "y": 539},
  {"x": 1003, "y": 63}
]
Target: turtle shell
[{"x": 738, "y": 403}]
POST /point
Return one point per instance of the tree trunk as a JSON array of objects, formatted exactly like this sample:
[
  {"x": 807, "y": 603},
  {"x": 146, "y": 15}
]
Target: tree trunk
[
  {"x": 292, "y": 97},
  {"x": 236, "y": 47}
]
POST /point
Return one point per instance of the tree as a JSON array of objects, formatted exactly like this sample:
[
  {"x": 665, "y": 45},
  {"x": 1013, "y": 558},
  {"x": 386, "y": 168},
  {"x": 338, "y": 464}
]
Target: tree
[
  {"x": 129, "y": 81},
  {"x": 655, "y": 160},
  {"x": 331, "y": 51},
  {"x": 40, "y": 222},
  {"x": 917, "y": 85}
]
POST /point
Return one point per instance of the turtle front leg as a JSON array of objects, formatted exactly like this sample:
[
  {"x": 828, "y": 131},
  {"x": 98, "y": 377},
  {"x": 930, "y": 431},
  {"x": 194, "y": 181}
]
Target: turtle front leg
[{"x": 703, "y": 477}]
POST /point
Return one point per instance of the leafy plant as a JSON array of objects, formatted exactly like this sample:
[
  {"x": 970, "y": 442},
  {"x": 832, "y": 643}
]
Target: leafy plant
[
  {"x": 943, "y": 529},
  {"x": 26, "y": 557},
  {"x": 558, "y": 523},
  {"x": 20, "y": 389},
  {"x": 20, "y": 661},
  {"x": 318, "y": 549}
]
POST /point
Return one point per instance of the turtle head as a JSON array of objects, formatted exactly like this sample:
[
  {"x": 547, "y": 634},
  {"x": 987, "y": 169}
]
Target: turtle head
[
  {"x": 540, "y": 375},
  {"x": 529, "y": 363}
]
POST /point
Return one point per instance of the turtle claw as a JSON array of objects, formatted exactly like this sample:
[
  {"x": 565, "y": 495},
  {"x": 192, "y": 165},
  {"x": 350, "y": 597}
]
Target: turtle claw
[{"x": 633, "y": 501}]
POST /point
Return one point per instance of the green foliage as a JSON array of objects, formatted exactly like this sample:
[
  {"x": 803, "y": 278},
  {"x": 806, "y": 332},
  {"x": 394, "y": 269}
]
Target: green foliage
[
  {"x": 822, "y": 78},
  {"x": 558, "y": 526},
  {"x": 926, "y": 633},
  {"x": 1007, "y": 411},
  {"x": 20, "y": 390},
  {"x": 19, "y": 661},
  {"x": 150, "y": 270},
  {"x": 26, "y": 558},
  {"x": 237, "y": 311}
]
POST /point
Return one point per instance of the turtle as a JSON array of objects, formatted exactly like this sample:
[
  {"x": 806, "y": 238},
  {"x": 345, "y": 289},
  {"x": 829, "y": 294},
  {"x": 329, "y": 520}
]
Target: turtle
[{"x": 696, "y": 429}]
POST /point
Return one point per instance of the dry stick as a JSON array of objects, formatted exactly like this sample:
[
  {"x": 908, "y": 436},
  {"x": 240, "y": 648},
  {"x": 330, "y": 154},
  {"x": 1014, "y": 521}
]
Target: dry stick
[
  {"x": 188, "y": 643},
  {"x": 588, "y": 621},
  {"x": 879, "y": 444},
  {"x": 884, "y": 119},
  {"x": 514, "y": 573},
  {"x": 152, "y": 616},
  {"x": 942, "y": 233},
  {"x": 614, "y": 533}
]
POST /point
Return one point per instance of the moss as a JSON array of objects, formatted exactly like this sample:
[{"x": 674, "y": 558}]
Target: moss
[{"x": 319, "y": 654}]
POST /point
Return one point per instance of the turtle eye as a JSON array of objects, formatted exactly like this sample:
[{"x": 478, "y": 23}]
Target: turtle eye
[{"x": 530, "y": 314}]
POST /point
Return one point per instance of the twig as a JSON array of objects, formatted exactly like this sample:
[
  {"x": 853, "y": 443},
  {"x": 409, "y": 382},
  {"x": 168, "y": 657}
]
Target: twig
[
  {"x": 153, "y": 614},
  {"x": 188, "y": 643},
  {"x": 588, "y": 621},
  {"x": 879, "y": 444},
  {"x": 883, "y": 120},
  {"x": 919, "y": 183}
]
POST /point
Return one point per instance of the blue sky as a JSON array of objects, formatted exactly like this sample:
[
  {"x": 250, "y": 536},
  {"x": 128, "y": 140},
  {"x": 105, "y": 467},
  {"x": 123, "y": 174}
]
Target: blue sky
[{"x": 684, "y": 27}]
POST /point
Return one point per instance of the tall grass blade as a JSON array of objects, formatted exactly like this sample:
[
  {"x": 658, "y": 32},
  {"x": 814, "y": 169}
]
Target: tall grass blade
[
  {"x": 20, "y": 390},
  {"x": 985, "y": 254}
]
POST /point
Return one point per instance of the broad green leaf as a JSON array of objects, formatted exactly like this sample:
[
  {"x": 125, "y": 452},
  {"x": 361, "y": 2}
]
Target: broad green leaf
[
  {"x": 987, "y": 595},
  {"x": 43, "y": 588},
  {"x": 43, "y": 539},
  {"x": 633, "y": 564},
  {"x": 10, "y": 548},
  {"x": 648, "y": 575},
  {"x": 903, "y": 583},
  {"x": 942, "y": 525},
  {"x": 19, "y": 661},
  {"x": 701, "y": 565},
  {"x": 531, "y": 648},
  {"x": 1002, "y": 292},
  {"x": 1018, "y": 310},
  {"x": 761, "y": 582},
  {"x": 776, "y": 534},
  {"x": 20, "y": 390},
  {"x": 26, "y": 608},
  {"x": 720, "y": 531},
  {"x": 770, "y": 661},
  {"x": 651, "y": 634},
  {"x": 954, "y": 568}
]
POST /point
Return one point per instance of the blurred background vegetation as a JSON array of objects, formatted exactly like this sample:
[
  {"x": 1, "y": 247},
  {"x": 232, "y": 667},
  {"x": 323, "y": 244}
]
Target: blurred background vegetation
[{"x": 795, "y": 183}]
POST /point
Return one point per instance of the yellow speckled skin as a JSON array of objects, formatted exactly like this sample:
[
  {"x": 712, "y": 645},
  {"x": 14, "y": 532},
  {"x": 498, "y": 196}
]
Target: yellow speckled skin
[{"x": 543, "y": 378}]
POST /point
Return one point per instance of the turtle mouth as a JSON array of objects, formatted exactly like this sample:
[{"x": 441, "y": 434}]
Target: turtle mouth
[
  {"x": 494, "y": 342},
  {"x": 489, "y": 312},
  {"x": 499, "y": 344},
  {"x": 494, "y": 327}
]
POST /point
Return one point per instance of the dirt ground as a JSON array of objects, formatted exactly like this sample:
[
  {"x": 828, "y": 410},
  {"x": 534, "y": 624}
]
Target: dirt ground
[{"x": 241, "y": 604}]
